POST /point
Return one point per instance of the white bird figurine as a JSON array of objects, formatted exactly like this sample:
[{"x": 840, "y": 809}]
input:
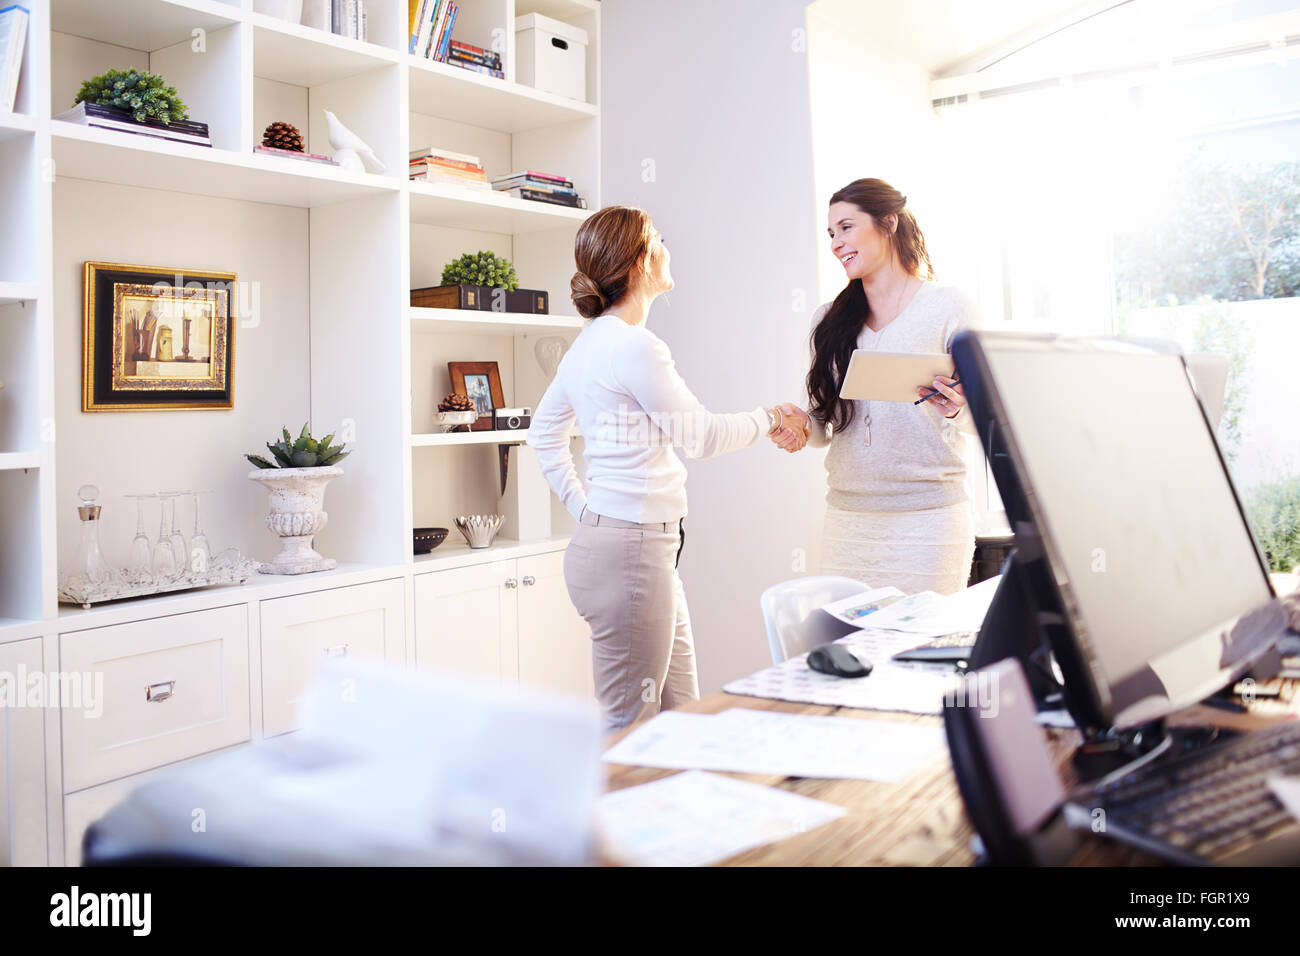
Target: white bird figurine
[{"x": 350, "y": 151}]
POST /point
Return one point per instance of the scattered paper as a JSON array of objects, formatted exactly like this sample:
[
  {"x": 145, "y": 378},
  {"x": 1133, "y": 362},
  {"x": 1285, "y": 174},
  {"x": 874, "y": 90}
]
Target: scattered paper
[
  {"x": 743, "y": 740},
  {"x": 889, "y": 686},
  {"x": 934, "y": 614},
  {"x": 854, "y": 609},
  {"x": 697, "y": 818},
  {"x": 1287, "y": 789}
]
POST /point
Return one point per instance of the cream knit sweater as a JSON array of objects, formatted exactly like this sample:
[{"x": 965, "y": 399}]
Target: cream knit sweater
[{"x": 914, "y": 461}]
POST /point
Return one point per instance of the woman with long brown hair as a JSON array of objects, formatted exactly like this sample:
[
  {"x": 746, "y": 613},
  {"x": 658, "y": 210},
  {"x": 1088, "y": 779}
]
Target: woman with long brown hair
[
  {"x": 897, "y": 507},
  {"x": 619, "y": 383}
]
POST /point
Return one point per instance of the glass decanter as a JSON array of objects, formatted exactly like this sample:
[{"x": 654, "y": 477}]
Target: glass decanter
[{"x": 90, "y": 561}]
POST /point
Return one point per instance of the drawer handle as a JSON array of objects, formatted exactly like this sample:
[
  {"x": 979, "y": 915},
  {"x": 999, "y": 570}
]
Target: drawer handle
[
  {"x": 511, "y": 583},
  {"x": 163, "y": 690},
  {"x": 338, "y": 650},
  {"x": 529, "y": 580}
]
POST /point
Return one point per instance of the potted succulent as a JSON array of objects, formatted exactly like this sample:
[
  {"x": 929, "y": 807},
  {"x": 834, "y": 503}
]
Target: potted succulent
[
  {"x": 296, "y": 479},
  {"x": 481, "y": 269},
  {"x": 484, "y": 281},
  {"x": 137, "y": 94}
]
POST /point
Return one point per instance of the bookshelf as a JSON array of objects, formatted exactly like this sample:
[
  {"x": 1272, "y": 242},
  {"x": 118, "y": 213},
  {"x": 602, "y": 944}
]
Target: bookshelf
[{"x": 327, "y": 258}]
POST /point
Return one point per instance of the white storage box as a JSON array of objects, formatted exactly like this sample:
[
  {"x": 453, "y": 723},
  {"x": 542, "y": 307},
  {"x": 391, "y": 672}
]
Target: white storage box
[{"x": 551, "y": 55}]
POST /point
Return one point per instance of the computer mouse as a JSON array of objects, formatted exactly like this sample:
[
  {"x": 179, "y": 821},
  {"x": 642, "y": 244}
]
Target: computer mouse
[{"x": 839, "y": 661}]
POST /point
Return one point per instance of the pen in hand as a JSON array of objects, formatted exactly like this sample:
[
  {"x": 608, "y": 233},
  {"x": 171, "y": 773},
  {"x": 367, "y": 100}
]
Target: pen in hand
[{"x": 926, "y": 398}]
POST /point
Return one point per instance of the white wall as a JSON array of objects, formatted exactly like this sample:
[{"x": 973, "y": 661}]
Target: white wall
[
  {"x": 713, "y": 99},
  {"x": 871, "y": 118},
  {"x": 174, "y": 450}
]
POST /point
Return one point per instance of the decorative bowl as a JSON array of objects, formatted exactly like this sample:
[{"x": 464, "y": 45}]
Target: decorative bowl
[
  {"x": 426, "y": 539},
  {"x": 479, "y": 530},
  {"x": 451, "y": 421}
]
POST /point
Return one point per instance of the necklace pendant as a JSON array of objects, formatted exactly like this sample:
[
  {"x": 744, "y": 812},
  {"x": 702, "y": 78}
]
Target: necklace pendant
[{"x": 866, "y": 433}]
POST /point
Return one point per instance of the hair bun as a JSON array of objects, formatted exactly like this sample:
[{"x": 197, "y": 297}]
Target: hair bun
[{"x": 587, "y": 296}]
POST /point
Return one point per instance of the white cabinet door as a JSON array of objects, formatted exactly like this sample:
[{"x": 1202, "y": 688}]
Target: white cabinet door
[
  {"x": 464, "y": 616},
  {"x": 554, "y": 641},
  {"x": 22, "y": 758},
  {"x": 172, "y": 687},
  {"x": 366, "y": 620}
]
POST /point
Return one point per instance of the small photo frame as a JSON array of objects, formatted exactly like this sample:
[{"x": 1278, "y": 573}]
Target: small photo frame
[
  {"x": 155, "y": 338},
  {"x": 481, "y": 383}
]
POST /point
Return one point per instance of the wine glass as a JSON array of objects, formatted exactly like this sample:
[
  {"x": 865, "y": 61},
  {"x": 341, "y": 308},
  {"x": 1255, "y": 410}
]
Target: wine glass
[
  {"x": 200, "y": 550},
  {"x": 165, "y": 564},
  {"x": 179, "y": 547},
  {"x": 141, "y": 551}
]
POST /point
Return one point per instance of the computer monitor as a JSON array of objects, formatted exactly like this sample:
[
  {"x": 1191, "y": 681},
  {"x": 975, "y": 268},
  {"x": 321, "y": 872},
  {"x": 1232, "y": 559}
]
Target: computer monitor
[{"x": 1133, "y": 556}]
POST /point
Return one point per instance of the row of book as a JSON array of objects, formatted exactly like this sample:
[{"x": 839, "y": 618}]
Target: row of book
[
  {"x": 540, "y": 187},
  {"x": 433, "y": 164},
  {"x": 13, "y": 37},
  {"x": 345, "y": 18},
  {"x": 430, "y": 23},
  {"x": 475, "y": 58}
]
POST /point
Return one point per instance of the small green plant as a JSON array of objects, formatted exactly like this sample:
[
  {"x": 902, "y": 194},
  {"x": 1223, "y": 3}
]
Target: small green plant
[
  {"x": 1274, "y": 511},
  {"x": 301, "y": 452},
  {"x": 146, "y": 96},
  {"x": 481, "y": 268}
]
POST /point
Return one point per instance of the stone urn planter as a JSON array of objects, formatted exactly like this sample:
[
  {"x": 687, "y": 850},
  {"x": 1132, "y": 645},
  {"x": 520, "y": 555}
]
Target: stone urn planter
[{"x": 297, "y": 497}]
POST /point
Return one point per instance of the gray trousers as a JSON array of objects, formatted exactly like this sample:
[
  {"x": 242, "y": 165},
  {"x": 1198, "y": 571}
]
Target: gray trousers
[{"x": 622, "y": 578}]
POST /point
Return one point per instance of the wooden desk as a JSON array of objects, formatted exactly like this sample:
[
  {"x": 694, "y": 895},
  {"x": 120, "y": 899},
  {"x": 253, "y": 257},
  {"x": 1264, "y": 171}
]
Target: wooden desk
[{"x": 919, "y": 821}]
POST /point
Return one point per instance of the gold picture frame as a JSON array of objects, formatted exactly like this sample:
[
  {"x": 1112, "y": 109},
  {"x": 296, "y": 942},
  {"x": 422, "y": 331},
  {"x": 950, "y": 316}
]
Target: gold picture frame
[{"x": 157, "y": 339}]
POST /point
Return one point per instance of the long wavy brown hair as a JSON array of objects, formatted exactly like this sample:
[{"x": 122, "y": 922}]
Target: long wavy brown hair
[{"x": 836, "y": 335}]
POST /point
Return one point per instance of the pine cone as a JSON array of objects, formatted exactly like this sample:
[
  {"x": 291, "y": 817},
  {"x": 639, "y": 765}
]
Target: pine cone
[
  {"x": 456, "y": 402},
  {"x": 283, "y": 136}
]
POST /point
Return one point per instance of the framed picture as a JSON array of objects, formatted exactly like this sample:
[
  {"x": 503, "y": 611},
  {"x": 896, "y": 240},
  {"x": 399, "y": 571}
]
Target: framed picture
[
  {"x": 481, "y": 383},
  {"x": 156, "y": 339}
]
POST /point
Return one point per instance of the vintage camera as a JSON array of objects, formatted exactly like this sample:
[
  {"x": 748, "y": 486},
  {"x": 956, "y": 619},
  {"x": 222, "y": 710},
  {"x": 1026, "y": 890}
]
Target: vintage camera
[{"x": 513, "y": 418}]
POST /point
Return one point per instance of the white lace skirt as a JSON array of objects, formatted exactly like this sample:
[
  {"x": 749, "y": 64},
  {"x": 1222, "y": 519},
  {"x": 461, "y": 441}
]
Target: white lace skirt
[{"x": 913, "y": 551}]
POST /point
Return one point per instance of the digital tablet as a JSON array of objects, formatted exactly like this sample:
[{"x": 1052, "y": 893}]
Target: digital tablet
[{"x": 892, "y": 376}]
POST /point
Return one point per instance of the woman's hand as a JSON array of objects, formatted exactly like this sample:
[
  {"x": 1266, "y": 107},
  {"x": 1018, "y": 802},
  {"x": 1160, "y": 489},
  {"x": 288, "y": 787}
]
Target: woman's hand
[
  {"x": 951, "y": 398},
  {"x": 792, "y": 434}
]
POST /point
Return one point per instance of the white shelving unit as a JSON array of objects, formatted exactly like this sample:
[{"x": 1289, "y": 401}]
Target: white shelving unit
[{"x": 325, "y": 261}]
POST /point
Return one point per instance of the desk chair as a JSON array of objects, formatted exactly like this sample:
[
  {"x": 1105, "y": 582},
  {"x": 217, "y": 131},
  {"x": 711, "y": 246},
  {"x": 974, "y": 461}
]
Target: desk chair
[{"x": 786, "y": 609}]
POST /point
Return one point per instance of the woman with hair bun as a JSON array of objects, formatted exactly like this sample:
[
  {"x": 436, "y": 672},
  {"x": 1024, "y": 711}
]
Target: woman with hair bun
[
  {"x": 897, "y": 509},
  {"x": 619, "y": 383}
]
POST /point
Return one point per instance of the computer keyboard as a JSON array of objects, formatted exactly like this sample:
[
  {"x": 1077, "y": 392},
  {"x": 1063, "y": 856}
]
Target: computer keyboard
[{"x": 1210, "y": 806}]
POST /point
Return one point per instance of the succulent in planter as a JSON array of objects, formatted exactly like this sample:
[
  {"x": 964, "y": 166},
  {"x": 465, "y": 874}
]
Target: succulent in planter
[
  {"x": 146, "y": 96},
  {"x": 481, "y": 268},
  {"x": 301, "y": 452}
]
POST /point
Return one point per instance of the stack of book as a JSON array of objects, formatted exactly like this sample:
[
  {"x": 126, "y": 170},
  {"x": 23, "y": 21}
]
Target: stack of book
[
  {"x": 541, "y": 187},
  {"x": 476, "y": 59},
  {"x": 107, "y": 117},
  {"x": 430, "y": 23},
  {"x": 13, "y": 37},
  {"x": 432, "y": 164}
]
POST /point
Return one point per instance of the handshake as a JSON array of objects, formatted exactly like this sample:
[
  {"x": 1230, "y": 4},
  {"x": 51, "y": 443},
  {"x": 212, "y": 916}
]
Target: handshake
[{"x": 793, "y": 427}]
